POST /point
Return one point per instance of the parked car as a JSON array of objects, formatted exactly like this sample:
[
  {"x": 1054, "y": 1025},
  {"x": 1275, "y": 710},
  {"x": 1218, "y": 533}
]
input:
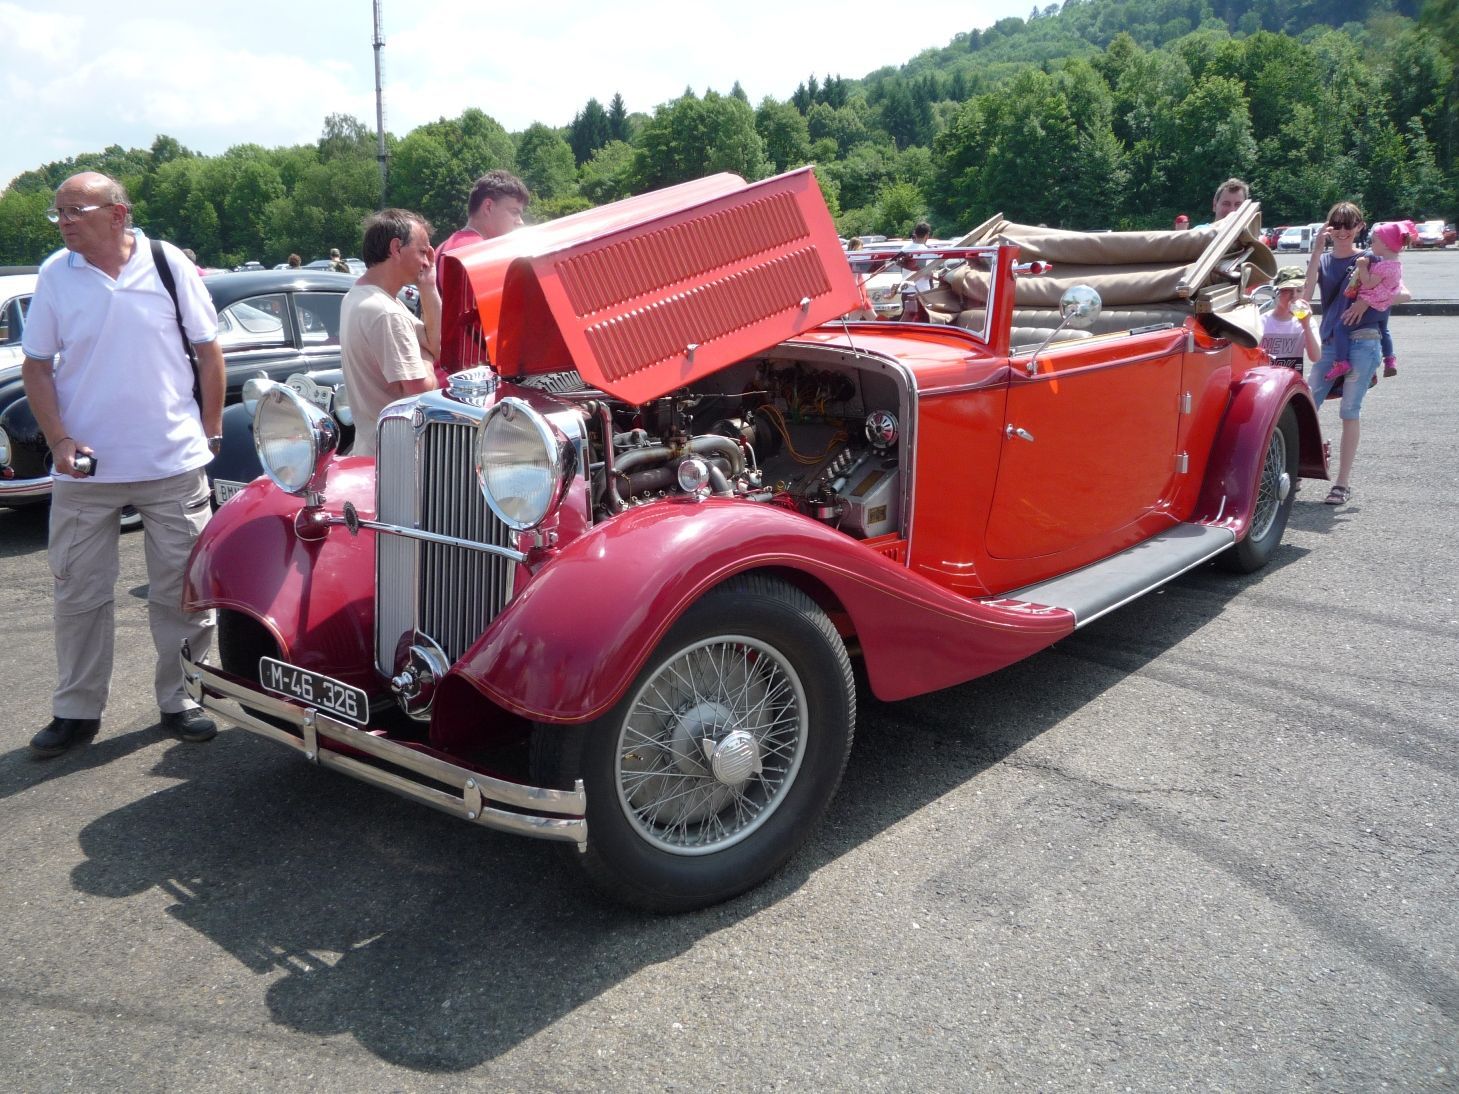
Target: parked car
[
  {"x": 1270, "y": 236},
  {"x": 607, "y": 589},
  {"x": 270, "y": 323},
  {"x": 1298, "y": 237},
  {"x": 356, "y": 265},
  {"x": 17, "y": 284},
  {"x": 1434, "y": 233}
]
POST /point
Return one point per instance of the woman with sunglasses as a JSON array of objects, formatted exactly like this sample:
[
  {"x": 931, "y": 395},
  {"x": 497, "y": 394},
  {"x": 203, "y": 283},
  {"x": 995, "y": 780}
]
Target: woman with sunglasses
[{"x": 1327, "y": 273}]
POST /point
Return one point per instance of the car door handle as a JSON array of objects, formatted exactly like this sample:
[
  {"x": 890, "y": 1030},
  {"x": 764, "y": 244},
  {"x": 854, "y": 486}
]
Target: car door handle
[{"x": 1012, "y": 431}]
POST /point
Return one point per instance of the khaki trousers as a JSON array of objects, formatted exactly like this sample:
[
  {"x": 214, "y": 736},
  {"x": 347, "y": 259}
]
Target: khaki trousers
[{"x": 85, "y": 530}]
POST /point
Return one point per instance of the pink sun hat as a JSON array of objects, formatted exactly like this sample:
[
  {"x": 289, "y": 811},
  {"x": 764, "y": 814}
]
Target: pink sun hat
[{"x": 1395, "y": 233}]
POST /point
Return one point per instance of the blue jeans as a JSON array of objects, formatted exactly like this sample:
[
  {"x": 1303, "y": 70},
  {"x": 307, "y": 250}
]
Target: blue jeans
[{"x": 1365, "y": 357}]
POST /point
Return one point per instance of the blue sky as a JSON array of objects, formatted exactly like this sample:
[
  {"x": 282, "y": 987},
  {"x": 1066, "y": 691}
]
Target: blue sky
[{"x": 81, "y": 75}]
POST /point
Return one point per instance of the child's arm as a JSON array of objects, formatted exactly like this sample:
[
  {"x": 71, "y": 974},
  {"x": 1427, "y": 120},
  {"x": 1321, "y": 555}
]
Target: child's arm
[
  {"x": 1363, "y": 274},
  {"x": 1310, "y": 339}
]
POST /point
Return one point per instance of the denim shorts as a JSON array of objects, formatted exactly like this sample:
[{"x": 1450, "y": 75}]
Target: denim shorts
[{"x": 1365, "y": 356}]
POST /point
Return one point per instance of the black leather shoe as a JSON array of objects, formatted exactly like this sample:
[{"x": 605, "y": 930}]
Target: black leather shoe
[
  {"x": 191, "y": 724},
  {"x": 62, "y": 733}
]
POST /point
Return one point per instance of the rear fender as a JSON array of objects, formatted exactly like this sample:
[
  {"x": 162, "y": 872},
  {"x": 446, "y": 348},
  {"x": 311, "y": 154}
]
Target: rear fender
[
  {"x": 315, "y": 596},
  {"x": 579, "y": 632},
  {"x": 1257, "y": 401}
]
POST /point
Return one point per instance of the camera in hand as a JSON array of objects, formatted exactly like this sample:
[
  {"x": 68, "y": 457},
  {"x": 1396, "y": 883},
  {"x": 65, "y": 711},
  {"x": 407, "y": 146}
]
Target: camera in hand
[{"x": 85, "y": 464}]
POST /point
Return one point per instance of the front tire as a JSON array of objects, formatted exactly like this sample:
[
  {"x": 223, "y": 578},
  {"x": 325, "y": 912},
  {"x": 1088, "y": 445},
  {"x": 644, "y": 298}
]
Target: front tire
[
  {"x": 722, "y": 756},
  {"x": 1275, "y": 492}
]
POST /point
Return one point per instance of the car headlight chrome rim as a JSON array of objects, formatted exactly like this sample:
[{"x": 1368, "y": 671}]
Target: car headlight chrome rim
[
  {"x": 4, "y": 448},
  {"x": 523, "y": 464},
  {"x": 293, "y": 439}
]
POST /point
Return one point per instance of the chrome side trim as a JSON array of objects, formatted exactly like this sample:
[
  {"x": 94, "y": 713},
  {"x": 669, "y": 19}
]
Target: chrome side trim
[{"x": 544, "y": 813}]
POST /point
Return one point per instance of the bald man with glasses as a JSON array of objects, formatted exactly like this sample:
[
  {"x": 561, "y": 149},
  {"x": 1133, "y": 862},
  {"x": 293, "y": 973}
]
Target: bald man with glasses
[{"x": 112, "y": 384}]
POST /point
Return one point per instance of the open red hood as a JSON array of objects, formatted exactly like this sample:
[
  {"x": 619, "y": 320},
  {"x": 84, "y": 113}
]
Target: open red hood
[{"x": 651, "y": 293}]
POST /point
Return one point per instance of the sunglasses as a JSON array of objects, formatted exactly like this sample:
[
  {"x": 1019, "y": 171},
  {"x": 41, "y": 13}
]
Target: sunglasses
[{"x": 1344, "y": 225}]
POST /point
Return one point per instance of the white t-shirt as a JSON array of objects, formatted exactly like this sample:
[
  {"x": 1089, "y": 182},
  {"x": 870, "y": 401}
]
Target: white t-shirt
[
  {"x": 123, "y": 384},
  {"x": 380, "y": 343},
  {"x": 1284, "y": 341}
]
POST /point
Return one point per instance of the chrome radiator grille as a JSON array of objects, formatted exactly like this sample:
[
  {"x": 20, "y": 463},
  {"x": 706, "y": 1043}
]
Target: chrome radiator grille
[{"x": 425, "y": 480}]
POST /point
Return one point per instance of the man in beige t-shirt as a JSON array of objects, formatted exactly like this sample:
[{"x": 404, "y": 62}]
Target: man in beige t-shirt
[{"x": 387, "y": 353}]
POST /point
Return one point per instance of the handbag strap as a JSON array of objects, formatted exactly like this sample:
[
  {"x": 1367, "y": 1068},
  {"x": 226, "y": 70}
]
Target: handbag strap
[{"x": 164, "y": 271}]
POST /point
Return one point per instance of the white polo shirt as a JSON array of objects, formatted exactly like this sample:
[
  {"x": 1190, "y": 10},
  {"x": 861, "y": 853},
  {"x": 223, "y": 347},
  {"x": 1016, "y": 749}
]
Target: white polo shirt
[{"x": 123, "y": 383}]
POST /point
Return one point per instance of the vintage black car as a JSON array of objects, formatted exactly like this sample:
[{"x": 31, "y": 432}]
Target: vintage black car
[{"x": 272, "y": 324}]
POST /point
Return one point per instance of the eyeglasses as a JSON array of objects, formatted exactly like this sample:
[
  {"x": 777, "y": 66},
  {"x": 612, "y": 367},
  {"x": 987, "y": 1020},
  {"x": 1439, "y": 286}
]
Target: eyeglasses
[
  {"x": 69, "y": 213},
  {"x": 1344, "y": 225}
]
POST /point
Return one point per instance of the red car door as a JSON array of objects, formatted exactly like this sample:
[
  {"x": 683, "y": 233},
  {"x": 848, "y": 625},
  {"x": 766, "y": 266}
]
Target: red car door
[{"x": 1089, "y": 444}]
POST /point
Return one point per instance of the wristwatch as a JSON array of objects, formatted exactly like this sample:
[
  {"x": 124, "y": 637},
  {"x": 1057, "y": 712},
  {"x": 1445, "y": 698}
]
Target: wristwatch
[{"x": 215, "y": 443}]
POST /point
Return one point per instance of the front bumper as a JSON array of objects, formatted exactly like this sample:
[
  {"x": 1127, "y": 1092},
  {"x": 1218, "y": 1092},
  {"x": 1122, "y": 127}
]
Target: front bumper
[
  {"x": 540, "y": 812},
  {"x": 24, "y": 491}
]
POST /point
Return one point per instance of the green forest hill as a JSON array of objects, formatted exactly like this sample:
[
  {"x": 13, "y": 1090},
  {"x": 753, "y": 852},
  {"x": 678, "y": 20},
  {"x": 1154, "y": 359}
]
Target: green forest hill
[{"x": 1093, "y": 114}]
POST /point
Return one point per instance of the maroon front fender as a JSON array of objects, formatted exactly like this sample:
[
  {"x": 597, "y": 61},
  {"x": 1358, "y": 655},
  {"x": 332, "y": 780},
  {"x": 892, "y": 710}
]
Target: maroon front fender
[
  {"x": 1260, "y": 396},
  {"x": 315, "y": 596},
  {"x": 568, "y": 646}
]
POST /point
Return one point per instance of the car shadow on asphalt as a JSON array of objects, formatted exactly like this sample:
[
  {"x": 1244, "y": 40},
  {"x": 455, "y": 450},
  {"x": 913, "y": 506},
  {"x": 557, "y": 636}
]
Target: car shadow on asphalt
[
  {"x": 24, "y": 531},
  {"x": 438, "y": 946}
]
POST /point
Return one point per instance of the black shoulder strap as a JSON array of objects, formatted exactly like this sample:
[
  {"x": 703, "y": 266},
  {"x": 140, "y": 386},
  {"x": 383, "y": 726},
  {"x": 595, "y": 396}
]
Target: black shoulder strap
[{"x": 164, "y": 271}]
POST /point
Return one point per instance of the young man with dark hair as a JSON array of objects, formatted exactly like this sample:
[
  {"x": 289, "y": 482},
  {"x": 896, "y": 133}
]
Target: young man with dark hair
[
  {"x": 386, "y": 352},
  {"x": 495, "y": 207}
]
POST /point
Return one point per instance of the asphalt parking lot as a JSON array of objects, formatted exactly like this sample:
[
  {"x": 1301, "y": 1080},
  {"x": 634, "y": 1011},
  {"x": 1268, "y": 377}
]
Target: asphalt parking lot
[{"x": 1207, "y": 843}]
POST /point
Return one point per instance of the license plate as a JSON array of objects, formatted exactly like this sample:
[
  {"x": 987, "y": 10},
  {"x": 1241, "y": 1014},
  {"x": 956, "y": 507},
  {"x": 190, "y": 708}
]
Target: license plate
[
  {"x": 321, "y": 692},
  {"x": 223, "y": 489}
]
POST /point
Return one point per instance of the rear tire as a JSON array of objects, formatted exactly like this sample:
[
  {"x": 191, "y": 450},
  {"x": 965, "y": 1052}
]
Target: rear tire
[
  {"x": 721, "y": 757},
  {"x": 1275, "y": 492}
]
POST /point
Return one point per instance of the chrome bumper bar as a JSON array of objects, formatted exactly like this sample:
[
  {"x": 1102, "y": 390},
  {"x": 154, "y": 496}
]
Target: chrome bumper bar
[
  {"x": 544, "y": 813},
  {"x": 24, "y": 489}
]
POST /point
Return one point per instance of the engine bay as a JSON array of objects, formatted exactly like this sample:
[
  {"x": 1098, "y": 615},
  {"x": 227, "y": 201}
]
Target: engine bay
[{"x": 824, "y": 438}]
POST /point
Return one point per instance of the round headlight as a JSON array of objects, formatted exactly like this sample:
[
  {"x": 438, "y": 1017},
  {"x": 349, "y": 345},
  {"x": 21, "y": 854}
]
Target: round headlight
[
  {"x": 293, "y": 438},
  {"x": 253, "y": 391},
  {"x": 4, "y": 448},
  {"x": 522, "y": 464}
]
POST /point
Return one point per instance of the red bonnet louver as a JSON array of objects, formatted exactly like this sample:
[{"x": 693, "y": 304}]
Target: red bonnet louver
[{"x": 646, "y": 295}]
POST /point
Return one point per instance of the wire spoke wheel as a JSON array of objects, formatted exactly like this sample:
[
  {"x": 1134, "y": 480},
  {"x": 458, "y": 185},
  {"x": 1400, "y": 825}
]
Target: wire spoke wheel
[
  {"x": 712, "y": 742},
  {"x": 722, "y": 755},
  {"x": 1273, "y": 487}
]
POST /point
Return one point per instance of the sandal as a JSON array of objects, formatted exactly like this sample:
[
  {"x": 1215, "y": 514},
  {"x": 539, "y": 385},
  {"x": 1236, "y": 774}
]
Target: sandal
[{"x": 1339, "y": 495}]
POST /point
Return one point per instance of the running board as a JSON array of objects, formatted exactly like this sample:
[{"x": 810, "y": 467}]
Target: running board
[{"x": 1104, "y": 586}]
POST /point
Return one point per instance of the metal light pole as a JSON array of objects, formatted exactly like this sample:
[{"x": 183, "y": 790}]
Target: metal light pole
[{"x": 380, "y": 106}]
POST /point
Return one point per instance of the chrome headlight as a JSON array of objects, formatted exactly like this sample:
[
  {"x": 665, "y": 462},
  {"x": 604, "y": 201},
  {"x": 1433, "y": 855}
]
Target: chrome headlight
[
  {"x": 293, "y": 437},
  {"x": 253, "y": 391},
  {"x": 342, "y": 409},
  {"x": 522, "y": 464},
  {"x": 4, "y": 448}
]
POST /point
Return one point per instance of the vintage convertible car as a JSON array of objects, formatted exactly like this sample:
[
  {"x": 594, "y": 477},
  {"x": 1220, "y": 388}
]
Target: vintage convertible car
[
  {"x": 608, "y": 589},
  {"x": 272, "y": 324}
]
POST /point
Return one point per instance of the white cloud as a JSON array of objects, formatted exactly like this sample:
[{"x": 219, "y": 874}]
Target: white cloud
[{"x": 85, "y": 75}]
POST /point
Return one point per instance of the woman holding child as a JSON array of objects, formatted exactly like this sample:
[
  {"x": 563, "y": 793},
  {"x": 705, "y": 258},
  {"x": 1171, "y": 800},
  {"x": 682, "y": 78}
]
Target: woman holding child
[{"x": 1328, "y": 273}]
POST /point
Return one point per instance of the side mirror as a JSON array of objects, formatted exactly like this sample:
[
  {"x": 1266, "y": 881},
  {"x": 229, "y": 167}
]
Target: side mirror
[{"x": 1079, "y": 306}]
